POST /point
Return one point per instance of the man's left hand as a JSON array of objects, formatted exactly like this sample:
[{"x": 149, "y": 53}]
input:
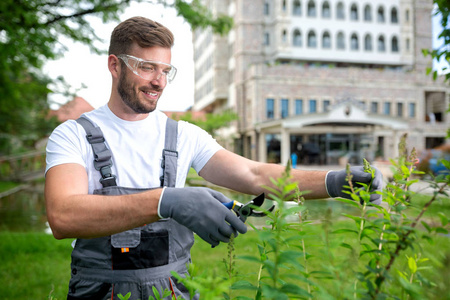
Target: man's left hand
[{"x": 336, "y": 180}]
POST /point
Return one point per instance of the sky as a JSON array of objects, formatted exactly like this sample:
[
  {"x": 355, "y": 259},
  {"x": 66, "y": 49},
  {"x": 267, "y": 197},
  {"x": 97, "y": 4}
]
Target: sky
[{"x": 80, "y": 66}]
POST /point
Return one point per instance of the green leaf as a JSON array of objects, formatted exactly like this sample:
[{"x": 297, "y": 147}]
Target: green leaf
[
  {"x": 344, "y": 230},
  {"x": 441, "y": 230},
  {"x": 166, "y": 293},
  {"x": 355, "y": 197},
  {"x": 296, "y": 209},
  {"x": 295, "y": 290},
  {"x": 126, "y": 297},
  {"x": 402, "y": 274},
  {"x": 243, "y": 285},
  {"x": 249, "y": 258},
  {"x": 345, "y": 245},
  {"x": 261, "y": 249},
  {"x": 354, "y": 218},
  {"x": 244, "y": 298},
  {"x": 270, "y": 292},
  {"x": 156, "y": 293},
  {"x": 443, "y": 217},
  {"x": 353, "y": 203},
  {"x": 412, "y": 265}
]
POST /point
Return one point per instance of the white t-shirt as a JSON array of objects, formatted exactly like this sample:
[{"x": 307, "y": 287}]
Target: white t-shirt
[{"x": 136, "y": 148}]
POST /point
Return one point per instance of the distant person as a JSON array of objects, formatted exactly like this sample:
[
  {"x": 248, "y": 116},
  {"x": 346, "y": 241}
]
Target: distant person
[
  {"x": 294, "y": 158},
  {"x": 115, "y": 178}
]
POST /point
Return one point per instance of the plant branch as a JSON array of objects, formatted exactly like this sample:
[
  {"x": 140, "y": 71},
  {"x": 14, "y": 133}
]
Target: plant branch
[
  {"x": 403, "y": 240},
  {"x": 95, "y": 9}
]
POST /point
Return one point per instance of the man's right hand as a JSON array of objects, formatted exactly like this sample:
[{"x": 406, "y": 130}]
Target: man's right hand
[{"x": 202, "y": 211}]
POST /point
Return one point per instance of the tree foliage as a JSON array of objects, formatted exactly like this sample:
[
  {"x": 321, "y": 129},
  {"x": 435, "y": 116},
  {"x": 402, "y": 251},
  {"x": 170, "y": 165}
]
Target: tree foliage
[
  {"x": 211, "y": 122},
  {"x": 442, "y": 11},
  {"x": 30, "y": 35}
]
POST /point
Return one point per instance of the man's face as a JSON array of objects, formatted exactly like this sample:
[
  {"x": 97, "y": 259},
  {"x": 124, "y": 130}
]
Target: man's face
[{"x": 139, "y": 94}]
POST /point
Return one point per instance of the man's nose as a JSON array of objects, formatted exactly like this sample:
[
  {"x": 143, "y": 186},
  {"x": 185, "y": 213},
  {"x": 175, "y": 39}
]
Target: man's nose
[{"x": 160, "y": 78}]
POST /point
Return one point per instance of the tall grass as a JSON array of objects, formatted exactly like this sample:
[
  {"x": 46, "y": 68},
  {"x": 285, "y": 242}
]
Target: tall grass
[{"x": 33, "y": 265}]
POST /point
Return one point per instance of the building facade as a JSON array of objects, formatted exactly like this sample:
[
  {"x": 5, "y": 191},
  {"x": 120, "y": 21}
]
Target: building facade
[{"x": 329, "y": 80}]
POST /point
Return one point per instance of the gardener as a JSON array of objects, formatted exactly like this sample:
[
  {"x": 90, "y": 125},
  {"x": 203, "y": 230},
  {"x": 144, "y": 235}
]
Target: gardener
[{"x": 110, "y": 185}]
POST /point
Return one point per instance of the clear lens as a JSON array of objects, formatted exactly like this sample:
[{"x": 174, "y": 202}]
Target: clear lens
[{"x": 147, "y": 69}]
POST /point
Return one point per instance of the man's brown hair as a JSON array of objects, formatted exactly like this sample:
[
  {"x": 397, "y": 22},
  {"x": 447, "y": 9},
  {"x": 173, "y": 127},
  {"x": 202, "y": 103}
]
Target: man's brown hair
[{"x": 145, "y": 32}]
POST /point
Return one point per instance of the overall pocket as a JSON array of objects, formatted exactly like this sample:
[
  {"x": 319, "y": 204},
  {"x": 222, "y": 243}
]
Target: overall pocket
[{"x": 140, "y": 248}]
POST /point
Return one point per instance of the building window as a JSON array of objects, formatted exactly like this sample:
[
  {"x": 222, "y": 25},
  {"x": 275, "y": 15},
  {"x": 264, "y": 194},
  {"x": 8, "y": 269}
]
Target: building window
[
  {"x": 363, "y": 105},
  {"x": 312, "y": 42},
  {"x": 407, "y": 45},
  {"x": 354, "y": 12},
  {"x": 394, "y": 17},
  {"x": 284, "y": 108},
  {"x": 340, "y": 41},
  {"x": 266, "y": 8},
  {"x": 284, "y": 5},
  {"x": 270, "y": 108},
  {"x": 297, "y": 11},
  {"x": 312, "y": 106},
  {"x": 399, "y": 109},
  {"x": 412, "y": 110},
  {"x": 368, "y": 43},
  {"x": 381, "y": 45},
  {"x": 297, "y": 38},
  {"x": 298, "y": 106},
  {"x": 354, "y": 45},
  {"x": 326, "y": 105},
  {"x": 394, "y": 44},
  {"x": 374, "y": 107},
  {"x": 311, "y": 8},
  {"x": 380, "y": 14},
  {"x": 407, "y": 15},
  {"x": 266, "y": 39},
  {"x": 387, "y": 108},
  {"x": 340, "y": 14},
  {"x": 326, "y": 12},
  {"x": 326, "y": 40},
  {"x": 284, "y": 36},
  {"x": 367, "y": 13}
]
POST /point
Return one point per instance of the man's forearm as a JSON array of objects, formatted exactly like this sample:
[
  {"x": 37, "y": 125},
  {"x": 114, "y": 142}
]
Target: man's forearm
[
  {"x": 309, "y": 181},
  {"x": 89, "y": 216}
]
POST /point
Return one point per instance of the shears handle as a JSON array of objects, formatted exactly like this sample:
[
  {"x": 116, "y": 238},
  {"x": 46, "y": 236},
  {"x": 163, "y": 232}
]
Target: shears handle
[{"x": 231, "y": 204}]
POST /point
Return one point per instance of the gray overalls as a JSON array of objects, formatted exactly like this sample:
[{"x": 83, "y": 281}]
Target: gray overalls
[{"x": 138, "y": 259}]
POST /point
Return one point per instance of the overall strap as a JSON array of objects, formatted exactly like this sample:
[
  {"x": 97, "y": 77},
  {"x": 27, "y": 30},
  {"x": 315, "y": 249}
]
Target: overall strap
[
  {"x": 170, "y": 154},
  {"x": 102, "y": 155}
]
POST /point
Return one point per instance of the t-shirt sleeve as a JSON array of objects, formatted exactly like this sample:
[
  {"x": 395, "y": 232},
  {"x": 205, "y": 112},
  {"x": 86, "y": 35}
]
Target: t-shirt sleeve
[
  {"x": 65, "y": 145},
  {"x": 205, "y": 146}
]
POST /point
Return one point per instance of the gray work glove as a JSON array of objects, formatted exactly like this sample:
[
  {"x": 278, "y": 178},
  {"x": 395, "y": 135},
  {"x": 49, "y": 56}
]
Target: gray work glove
[
  {"x": 201, "y": 210},
  {"x": 336, "y": 180}
]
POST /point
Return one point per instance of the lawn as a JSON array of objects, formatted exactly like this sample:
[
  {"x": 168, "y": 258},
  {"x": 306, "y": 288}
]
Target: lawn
[{"x": 34, "y": 265}]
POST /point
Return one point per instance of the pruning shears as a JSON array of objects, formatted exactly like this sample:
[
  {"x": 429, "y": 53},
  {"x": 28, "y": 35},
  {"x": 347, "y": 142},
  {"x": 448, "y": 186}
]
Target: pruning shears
[{"x": 247, "y": 210}]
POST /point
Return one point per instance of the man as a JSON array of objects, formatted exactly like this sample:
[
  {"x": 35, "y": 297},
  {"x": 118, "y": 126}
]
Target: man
[{"x": 115, "y": 178}]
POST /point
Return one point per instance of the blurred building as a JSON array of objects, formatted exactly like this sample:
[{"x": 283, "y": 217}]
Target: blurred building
[
  {"x": 72, "y": 110},
  {"x": 326, "y": 79}
]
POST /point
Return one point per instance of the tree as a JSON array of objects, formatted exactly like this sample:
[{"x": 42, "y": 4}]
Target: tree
[
  {"x": 442, "y": 10},
  {"x": 30, "y": 31},
  {"x": 211, "y": 122}
]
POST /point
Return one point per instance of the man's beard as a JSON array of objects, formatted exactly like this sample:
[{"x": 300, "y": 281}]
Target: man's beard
[{"x": 130, "y": 98}]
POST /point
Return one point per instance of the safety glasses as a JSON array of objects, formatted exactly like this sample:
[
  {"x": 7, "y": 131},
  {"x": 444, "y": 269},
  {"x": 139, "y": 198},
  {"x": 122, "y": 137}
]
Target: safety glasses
[{"x": 147, "y": 69}]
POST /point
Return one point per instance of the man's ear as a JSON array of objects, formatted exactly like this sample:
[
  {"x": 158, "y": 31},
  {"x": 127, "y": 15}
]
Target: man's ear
[{"x": 114, "y": 65}]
